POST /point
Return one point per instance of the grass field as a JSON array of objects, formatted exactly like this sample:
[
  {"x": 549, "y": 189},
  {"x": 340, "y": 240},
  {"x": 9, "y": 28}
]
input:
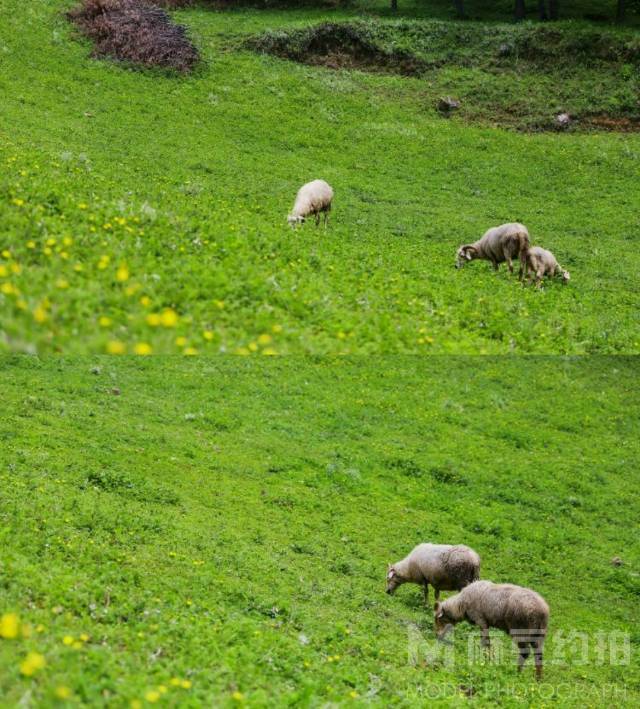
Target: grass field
[
  {"x": 226, "y": 524},
  {"x": 146, "y": 213}
]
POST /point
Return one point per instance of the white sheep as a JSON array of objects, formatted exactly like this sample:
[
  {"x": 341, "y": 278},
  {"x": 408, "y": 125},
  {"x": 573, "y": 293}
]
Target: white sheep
[
  {"x": 543, "y": 263},
  {"x": 520, "y": 612},
  {"x": 498, "y": 244},
  {"x": 446, "y": 567},
  {"x": 313, "y": 198}
]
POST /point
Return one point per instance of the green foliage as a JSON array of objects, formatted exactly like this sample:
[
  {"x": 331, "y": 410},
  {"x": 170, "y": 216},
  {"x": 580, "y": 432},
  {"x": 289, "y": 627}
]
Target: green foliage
[
  {"x": 145, "y": 212},
  {"x": 266, "y": 581}
]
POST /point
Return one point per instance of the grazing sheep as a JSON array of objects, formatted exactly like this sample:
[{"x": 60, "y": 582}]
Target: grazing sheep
[
  {"x": 519, "y": 611},
  {"x": 543, "y": 263},
  {"x": 313, "y": 198},
  {"x": 445, "y": 567},
  {"x": 501, "y": 243}
]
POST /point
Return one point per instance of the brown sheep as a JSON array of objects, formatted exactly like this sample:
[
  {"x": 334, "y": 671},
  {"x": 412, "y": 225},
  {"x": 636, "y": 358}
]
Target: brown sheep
[
  {"x": 445, "y": 567},
  {"x": 520, "y": 612},
  {"x": 501, "y": 243}
]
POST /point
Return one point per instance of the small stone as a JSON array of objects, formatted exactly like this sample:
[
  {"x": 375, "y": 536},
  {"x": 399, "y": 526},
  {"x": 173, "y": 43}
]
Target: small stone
[
  {"x": 115, "y": 391},
  {"x": 616, "y": 561},
  {"x": 563, "y": 120},
  {"x": 448, "y": 104},
  {"x": 504, "y": 50},
  {"x": 95, "y": 370}
]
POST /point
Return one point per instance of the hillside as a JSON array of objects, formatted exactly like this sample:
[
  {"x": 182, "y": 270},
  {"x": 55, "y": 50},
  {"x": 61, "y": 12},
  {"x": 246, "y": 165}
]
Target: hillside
[
  {"x": 146, "y": 212},
  {"x": 227, "y": 524}
]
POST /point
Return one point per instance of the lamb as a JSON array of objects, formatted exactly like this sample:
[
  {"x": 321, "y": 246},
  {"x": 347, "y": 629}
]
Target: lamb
[
  {"x": 501, "y": 243},
  {"x": 444, "y": 566},
  {"x": 519, "y": 611},
  {"x": 313, "y": 198},
  {"x": 543, "y": 263}
]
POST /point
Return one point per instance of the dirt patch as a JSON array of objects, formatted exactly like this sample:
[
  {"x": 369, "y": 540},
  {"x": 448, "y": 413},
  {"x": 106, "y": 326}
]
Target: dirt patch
[
  {"x": 137, "y": 32},
  {"x": 338, "y": 46},
  {"x": 623, "y": 125}
]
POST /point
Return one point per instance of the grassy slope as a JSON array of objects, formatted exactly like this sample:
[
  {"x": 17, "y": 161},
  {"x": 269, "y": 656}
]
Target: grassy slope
[
  {"x": 241, "y": 506},
  {"x": 218, "y": 157}
]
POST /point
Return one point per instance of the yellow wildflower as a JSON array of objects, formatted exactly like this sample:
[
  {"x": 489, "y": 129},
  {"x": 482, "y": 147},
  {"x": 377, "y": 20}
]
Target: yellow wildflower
[
  {"x": 181, "y": 341},
  {"x": 84, "y": 637},
  {"x": 103, "y": 262},
  {"x": 145, "y": 301},
  {"x": 264, "y": 339},
  {"x": 219, "y": 304},
  {"x": 78, "y": 268},
  {"x": 132, "y": 289},
  {"x": 153, "y": 319},
  {"x": 162, "y": 689},
  {"x": 142, "y": 348},
  {"x": 122, "y": 274},
  {"x": 47, "y": 251},
  {"x": 18, "y": 202},
  {"x": 67, "y": 241},
  {"x": 62, "y": 692},
  {"x": 237, "y": 696},
  {"x": 115, "y": 347},
  {"x": 242, "y": 351},
  {"x": 190, "y": 351},
  {"x": 82, "y": 205},
  {"x": 276, "y": 328},
  {"x": 104, "y": 321},
  {"x": 136, "y": 704},
  {"x": 185, "y": 684},
  {"x": 33, "y": 662},
  {"x": 353, "y": 694},
  {"x": 269, "y": 351},
  {"x": 169, "y": 317},
  {"x": 67, "y": 640},
  {"x": 6, "y": 254},
  {"x": 9, "y": 626},
  {"x": 208, "y": 335},
  {"x": 40, "y": 314},
  {"x": 31, "y": 244},
  {"x": 62, "y": 283},
  {"x": 252, "y": 347},
  {"x": 16, "y": 268},
  {"x": 174, "y": 682},
  {"x": 152, "y": 696},
  {"x": 4, "y": 271},
  {"x": 9, "y": 289}
]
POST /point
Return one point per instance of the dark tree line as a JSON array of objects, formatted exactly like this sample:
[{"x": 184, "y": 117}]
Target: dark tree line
[{"x": 547, "y": 9}]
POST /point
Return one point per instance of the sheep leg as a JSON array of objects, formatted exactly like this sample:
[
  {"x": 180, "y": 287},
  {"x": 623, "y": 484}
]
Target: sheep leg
[
  {"x": 495, "y": 265},
  {"x": 539, "y": 275},
  {"x": 510, "y": 264},
  {"x": 485, "y": 641},
  {"x": 326, "y": 218},
  {"x": 317, "y": 218},
  {"x": 524, "y": 649},
  {"x": 538, "y": 644}
]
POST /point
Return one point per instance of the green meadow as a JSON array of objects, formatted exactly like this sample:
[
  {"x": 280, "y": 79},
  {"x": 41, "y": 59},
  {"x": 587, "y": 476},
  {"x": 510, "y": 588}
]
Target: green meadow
[
  {"x": 146, "y": 213},
  {"x": 215, "y": 532}
]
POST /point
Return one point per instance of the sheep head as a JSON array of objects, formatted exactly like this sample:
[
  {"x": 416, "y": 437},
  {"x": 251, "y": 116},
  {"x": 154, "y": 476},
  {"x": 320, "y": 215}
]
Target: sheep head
[
  {"x": 467, "y": 252},
  {"x": 443, "y": 622},
  {"x": 393, "y": 579}
]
